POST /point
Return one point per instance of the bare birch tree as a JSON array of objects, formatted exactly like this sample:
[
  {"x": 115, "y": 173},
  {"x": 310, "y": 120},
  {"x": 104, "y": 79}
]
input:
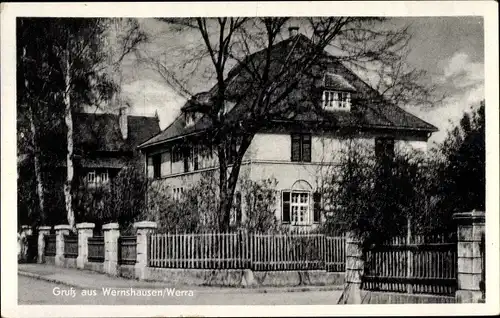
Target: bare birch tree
[{"x": 74, "y": 55}]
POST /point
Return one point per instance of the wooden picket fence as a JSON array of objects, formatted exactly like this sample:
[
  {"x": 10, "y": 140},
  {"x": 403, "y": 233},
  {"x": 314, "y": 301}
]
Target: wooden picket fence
[
  {"x": 127, "y": 250},
  {"x": 95, "y": 249},
  {"x": 50, "y": 245},
  {"x": 419, "y": 265},
  {"x": 71, "y": 246},
  {"x": 239, "y": 250}
]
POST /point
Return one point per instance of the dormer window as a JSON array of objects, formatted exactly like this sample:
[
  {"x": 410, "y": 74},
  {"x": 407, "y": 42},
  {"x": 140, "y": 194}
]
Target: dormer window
[
  {"x": 190, "y": 118},
  {"x": 336, "y": 100},
  {"x": 336, "y": 92}
]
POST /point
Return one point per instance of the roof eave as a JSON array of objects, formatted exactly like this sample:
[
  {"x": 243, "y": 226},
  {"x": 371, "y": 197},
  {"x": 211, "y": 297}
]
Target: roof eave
[{"x": 145, "y": 145}]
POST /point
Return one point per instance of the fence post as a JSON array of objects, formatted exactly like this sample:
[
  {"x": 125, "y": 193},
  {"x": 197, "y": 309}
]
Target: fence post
[
  {"x": 354, "y": 270},
  {"x": 85, "y": 230},
  {"x": 111, "y": 235},
  {"x": 61, "y": 230},
  {"x": 143, "y": 229},
  {"x": 42, "y": 232},
  {"x": 470, "y": 229}
]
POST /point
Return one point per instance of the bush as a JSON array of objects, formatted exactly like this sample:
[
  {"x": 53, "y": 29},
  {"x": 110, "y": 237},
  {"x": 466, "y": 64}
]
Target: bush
[
  {"x": 376, "y": 198},
  {"x": 260, "y": 202},
  {"x": 196, "y": 210}
]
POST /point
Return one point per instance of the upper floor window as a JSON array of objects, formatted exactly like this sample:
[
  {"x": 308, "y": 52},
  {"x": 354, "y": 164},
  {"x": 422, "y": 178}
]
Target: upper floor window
[
  {"x": 95, "y": 178},
  {"x": 301, "y": 147},
  {"x": 176, "y": 153},
  {"x": 190, "y": 118},
  {"x": 336, "y": 100},
  {"x": 156, "y": 166}
]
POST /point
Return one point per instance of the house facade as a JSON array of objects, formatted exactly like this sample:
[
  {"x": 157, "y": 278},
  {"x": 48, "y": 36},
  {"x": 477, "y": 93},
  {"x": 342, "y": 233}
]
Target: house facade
[
  {"x": 297, "y": 151},
  {"x": 104, "y": 143}
]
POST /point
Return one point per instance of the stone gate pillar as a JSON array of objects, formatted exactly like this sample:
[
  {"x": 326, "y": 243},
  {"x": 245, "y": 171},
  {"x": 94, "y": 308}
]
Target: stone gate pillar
[
  {"x": 42, "y": 232},
  {"x": 85, "y": 230},
  {"x": 143, "y": 228},
  {"x": 353, "y": 270},
  {"x": 111, "y": 235},
  {"x": 61, "y": 230},
  {"x": 469, "y": 232}
]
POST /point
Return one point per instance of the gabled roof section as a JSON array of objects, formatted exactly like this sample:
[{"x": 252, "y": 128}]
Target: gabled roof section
[
  {"x": 337, "y": 82},
  {"x": 370, "y": 111},
  {"x": 101, "y": 132}
]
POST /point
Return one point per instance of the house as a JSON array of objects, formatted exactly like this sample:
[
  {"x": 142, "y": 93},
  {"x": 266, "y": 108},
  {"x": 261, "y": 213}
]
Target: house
[
  {"x": 104, "y": 143},
  {"x": 294, "y": 149}
]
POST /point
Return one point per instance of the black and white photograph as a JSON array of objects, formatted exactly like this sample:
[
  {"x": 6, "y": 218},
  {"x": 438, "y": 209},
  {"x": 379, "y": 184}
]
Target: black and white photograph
[{"x": 251, "y": 155}]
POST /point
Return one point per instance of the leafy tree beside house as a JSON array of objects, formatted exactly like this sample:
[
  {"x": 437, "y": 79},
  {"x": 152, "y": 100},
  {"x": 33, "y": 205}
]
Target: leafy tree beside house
[
  {"x": 462, "y": 167},
  {"x": 425, "y": 188}
]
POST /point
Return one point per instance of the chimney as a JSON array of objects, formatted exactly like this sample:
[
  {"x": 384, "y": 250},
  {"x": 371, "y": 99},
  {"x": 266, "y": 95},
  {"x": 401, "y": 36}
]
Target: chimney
[
  {"x": 123, "y": 121},
  {"x": 293, "y": 31}
]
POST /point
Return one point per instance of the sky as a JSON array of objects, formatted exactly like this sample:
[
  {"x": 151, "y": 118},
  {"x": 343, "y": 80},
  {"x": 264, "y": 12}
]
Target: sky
[{"x": 449, "y": 49}]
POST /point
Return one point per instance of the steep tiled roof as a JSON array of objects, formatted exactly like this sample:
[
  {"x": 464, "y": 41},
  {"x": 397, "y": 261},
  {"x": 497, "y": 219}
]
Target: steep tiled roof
[
  {"x": 368, "y": 110},
  {"x": 101, "y": 132}
]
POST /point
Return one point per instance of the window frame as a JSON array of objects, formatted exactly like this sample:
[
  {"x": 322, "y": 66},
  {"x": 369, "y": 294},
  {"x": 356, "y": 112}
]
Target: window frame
[
  {"x": 336, "y": 100},
  {"x": 302, "y": 141},
  {"x": 385, "y": 142},
  {"x": 156, "y": 162},
  {"x": 308, "y": 217}
]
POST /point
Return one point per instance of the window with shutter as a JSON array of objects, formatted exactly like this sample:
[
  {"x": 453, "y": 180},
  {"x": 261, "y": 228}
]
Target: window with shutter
[
  {"x": 301, "y": 148},
  {"x": 286, "y": 207},
  {"x": 317, "y": 207},
  {"x": 296, "y": 148},
  {"x": 306, "y": 148}
]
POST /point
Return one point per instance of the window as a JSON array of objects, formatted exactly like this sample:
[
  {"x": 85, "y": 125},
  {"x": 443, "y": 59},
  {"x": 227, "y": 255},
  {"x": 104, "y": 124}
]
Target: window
[
  {"x": 95, "y": 178},
  {"x": 301, "y": 147},
  {"x": 195, "y": 157},
  {"x": 103, "y": 176},
  {"x": 176, "y": 153},
  {"x": 157, "y": 166},
  {"x": 186, "y": 153},
  {"x": 177, "y": 193},
  {"x": 317, "y": 207},
  {"x": 295, "y": 208},
  {"x": 384, "y": 148},
  {"x": 91, "y": 177},
  {"x": 336, "y": 100},
  {"x": 190, "y": 118}
]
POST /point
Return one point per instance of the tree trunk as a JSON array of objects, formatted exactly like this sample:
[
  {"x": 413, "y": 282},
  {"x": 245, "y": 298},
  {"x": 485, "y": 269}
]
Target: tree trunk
[
  {"x": 69, "y": 140},
  {"x": 223, "y": 225},
  {"x": 227, "y": 186},
  {"x": 38, "y": 172}
]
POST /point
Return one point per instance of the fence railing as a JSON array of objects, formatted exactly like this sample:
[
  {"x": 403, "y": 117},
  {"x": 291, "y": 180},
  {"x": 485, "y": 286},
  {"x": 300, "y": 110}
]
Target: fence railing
[
  {"x": 71, "y": 246},
  {"x": 247, "y": 250},
  {"x": 50, "y": 245},
  {"x": 95, "y": 247},
  {"x": 204, "y": 251},
  {"x": 482, "y": 283},
  {"x": 127, "y": 250},
  {"x": 420, "y": 266}
]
